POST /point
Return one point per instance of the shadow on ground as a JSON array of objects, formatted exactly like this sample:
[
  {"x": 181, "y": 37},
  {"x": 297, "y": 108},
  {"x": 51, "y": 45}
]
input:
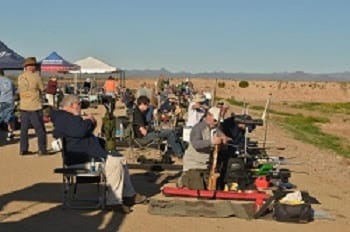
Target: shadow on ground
[{"x": 53, "y": 217}]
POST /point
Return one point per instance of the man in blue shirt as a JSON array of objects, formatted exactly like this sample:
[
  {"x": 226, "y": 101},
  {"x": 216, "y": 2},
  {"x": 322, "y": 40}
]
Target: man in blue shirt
[{"x": 7, "y": 106}]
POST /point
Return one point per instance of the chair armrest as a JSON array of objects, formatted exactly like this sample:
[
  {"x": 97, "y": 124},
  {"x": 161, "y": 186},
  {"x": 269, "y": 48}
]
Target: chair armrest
[{"x": 72, "y": 171}]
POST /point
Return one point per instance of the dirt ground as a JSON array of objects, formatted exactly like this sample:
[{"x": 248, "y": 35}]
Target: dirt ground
[{"x": 30, "y": 193}]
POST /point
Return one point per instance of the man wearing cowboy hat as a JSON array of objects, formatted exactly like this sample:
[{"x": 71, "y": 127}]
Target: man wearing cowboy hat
[
  {"x": 30, "y": 87},
  {"x": 196, "y": 110}
]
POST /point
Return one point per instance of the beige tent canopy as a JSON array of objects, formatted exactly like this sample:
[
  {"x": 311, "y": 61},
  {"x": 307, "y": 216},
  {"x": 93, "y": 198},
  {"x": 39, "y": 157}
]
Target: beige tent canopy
[{"x": 93, "y": 65}]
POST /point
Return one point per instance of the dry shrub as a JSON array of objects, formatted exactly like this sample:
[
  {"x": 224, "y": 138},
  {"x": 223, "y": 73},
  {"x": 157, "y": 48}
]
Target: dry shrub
[
  {"x": 221, "y": 84},
  {"x": 243, "y": 84}
]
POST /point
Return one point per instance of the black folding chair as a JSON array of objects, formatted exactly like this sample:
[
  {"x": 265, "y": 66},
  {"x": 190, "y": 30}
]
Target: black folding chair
[{"x": 74, "y": 176}]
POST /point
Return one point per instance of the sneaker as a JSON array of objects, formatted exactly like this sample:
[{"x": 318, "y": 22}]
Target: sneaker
[
  {"x": 139, "y": 198},
  {"x": 25, "y": 153},
  {"x": 136, "y": 199},
  {"x": 43, "y": 153}
]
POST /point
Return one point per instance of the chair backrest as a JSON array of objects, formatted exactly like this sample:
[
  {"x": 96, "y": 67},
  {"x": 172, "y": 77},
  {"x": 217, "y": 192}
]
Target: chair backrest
[
  {"x": 140, "y": 142},
  {"x": 63, "y": 152},
  {"x": 59, "y": 145},
  {"x": 128, "y": 132}
]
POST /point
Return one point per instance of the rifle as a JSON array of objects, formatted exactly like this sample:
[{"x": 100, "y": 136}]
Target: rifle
[{"x": 213, "y": 174}]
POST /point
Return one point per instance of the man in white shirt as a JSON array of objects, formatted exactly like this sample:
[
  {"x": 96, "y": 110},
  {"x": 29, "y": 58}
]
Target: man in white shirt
[{"x": 196, "y": 110}]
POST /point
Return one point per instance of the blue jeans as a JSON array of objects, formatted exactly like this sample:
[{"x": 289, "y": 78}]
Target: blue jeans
[
  {"x": 170, "y": 136},
  {"x": 149, "y": 115}
]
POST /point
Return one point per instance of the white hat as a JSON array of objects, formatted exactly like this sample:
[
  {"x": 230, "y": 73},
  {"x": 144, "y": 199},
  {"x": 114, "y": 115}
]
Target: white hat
[
  {"x": 198, "y": 98},
  {"x": 215, "y": 111}
]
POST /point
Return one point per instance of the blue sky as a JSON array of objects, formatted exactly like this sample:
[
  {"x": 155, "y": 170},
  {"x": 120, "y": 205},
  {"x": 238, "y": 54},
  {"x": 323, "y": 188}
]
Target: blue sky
[{"x": 185, "y": 35}]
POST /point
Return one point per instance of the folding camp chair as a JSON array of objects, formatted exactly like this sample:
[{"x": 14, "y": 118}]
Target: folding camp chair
[
  {"x": 74, "y": 176},
  {"x": 141, "y": 144}
]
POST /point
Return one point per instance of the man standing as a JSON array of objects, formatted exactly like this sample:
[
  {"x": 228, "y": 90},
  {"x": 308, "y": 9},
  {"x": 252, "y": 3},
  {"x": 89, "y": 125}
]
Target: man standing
[
  {"x": 51, "y": 90},
  {"x": 110, "y": 87},
  {"x": 30, "y": 87},
  {"x": 7, "y": 91}
]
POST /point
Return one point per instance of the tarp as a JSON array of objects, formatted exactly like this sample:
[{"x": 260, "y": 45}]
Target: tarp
[
  {"x": 9, "y": 59},
  {"x": 93, "y": 65},
  {"x": 55, "y": 63}
]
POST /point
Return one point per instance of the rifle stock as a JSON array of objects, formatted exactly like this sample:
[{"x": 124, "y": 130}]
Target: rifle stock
[{"x": 213, "y": 174}]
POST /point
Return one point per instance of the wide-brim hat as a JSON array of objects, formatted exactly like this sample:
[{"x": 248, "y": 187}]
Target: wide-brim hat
[
  {"x": 29, "y": 61},
  {"x": 199, "y": 98}
]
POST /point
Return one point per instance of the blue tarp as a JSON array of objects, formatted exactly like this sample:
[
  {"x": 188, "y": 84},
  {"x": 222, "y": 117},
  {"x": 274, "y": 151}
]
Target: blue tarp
[{"x": 9, "y": 60}]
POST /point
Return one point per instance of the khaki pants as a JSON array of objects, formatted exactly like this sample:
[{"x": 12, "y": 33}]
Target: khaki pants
[{"x": 195, "y": 179}]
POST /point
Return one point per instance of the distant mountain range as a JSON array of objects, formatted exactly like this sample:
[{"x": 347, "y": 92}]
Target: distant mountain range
[{"x": 286, "y": 76}]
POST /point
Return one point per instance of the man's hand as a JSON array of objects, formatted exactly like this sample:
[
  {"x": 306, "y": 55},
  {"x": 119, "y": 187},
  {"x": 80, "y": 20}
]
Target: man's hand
[
  {"x": 91, "y": 118},
  {"x": 225, "y": 139},
  {"x": 143, "y": 130},
  {"x": 217, "y": 139},
  {"x": 220, "y": 139}
]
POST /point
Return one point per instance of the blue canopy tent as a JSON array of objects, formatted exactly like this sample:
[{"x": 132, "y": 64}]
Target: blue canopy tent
[
  {"x": 55, "y": 63},
  {"x": 9, "y": 60}
]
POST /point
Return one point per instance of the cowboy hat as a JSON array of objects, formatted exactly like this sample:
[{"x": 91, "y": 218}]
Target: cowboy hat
[{"x": 30, "y": 61}]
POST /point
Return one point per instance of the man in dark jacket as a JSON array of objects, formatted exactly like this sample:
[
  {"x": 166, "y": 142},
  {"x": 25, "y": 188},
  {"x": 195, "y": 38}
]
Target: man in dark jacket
[
  {"x": 81, "y": 145},
  {"x": 80, "y": 141}
]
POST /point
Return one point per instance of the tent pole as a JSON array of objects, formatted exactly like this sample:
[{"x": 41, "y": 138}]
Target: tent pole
[{"x": 76, "y": 83}]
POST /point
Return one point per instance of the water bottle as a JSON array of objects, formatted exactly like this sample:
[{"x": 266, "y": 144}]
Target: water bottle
[
  {"x": 117, "y": 133},
  {"x": 92, "y": 165}
]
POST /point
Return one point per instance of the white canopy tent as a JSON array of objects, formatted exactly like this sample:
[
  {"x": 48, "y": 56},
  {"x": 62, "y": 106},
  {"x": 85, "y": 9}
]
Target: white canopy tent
[{"x": 93, "y": 65}]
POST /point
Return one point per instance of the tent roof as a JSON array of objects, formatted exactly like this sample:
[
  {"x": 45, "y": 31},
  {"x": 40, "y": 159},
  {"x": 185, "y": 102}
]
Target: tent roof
[
  {"x": 55, "y": 62},
  {"x": 93, "y": 65},
  {"x": 9, "y": 59}
]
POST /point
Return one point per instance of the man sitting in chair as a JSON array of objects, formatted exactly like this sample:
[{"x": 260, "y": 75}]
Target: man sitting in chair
[
  {"x": 81, "y": 145},
  {"x": 142, "y": 129}
]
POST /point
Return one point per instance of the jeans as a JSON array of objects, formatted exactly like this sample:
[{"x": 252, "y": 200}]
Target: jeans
[
  {"x": 149, "y": 115},
  {"x": 34, "y": 118},
  {"x": 170, "y": 135}
]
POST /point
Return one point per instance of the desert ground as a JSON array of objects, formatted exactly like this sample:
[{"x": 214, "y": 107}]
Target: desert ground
[{"x": 30, "y": 193}]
